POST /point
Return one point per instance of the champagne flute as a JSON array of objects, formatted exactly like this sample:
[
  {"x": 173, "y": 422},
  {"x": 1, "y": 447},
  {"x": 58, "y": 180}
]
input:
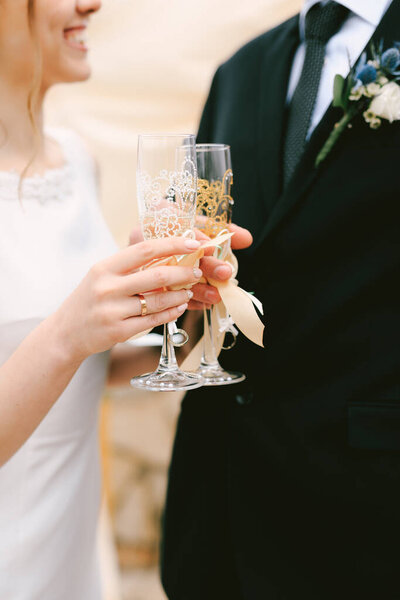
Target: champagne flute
[
  {"x": 167, "y": 184},
  {"x": 214, "y": 213}
]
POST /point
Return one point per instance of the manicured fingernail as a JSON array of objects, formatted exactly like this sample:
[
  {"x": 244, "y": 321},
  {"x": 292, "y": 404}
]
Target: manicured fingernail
[
  {"x": 223, "y": 272},
  {"x": 190, "y": 294},
  {"x": 192, "y": 244},
  {"x": 197, "y": 273},
  {"x": 182, "y": 307}
]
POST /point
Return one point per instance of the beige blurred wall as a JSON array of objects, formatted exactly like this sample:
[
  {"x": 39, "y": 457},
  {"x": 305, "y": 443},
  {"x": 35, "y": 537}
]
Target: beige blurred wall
[{"x": 152, "y": 65}]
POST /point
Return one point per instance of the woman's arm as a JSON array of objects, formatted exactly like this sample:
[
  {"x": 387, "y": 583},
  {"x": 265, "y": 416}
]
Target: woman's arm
[
  {"x": 103, "y": 311},
  {"x": 31, "y": 380}
]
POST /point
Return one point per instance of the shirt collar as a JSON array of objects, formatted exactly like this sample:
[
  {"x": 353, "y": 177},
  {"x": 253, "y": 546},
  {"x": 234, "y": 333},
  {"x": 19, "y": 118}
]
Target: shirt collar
[{"x": 371, "y": 11}]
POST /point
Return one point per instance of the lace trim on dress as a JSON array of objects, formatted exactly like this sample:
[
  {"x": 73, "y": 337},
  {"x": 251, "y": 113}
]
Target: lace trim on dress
[{"x": 53, "y": 185}]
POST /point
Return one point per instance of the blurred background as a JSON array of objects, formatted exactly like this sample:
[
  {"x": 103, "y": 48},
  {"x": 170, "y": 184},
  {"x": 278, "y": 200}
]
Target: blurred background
[{"x": 153, "y": 61}]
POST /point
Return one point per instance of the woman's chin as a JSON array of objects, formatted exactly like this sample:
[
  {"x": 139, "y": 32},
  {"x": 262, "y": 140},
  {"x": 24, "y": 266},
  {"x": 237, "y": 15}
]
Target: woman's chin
[
  {"x": 80, "y": 71},
  {"x": 82, "y": 76},
  {"x": 73, "y": 75}
]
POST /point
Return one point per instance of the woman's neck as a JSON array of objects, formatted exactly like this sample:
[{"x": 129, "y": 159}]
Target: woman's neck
[{"x": 21, "y": 142}]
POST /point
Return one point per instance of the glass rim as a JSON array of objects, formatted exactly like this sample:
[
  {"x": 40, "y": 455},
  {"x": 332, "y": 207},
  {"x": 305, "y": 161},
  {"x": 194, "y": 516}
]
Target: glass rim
[
  {"x": 210, "y": 147},
  {"x": 165, "y": 135}
]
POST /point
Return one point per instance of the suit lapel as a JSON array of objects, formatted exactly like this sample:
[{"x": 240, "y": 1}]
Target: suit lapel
[
  {"x": 274, "y": 77},
  {"x": 305, "y": 172}
]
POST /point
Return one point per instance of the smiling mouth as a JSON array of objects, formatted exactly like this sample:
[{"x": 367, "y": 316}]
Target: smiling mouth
[{"x": 76, "y": 37}]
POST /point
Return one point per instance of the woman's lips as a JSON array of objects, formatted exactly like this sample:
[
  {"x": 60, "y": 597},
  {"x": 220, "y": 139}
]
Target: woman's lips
[{"x": 76, "y": 37}]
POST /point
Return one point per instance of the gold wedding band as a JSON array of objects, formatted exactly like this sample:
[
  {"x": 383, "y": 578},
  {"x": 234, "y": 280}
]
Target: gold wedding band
[{"x": 143, "y": 305}]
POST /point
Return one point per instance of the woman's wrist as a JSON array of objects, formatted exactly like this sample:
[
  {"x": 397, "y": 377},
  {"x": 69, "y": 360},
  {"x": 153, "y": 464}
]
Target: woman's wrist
[{"x": 66, "y": 344}]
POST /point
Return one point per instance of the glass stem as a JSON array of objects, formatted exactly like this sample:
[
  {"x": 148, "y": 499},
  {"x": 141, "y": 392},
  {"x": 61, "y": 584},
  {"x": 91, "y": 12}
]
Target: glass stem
[
  {"x": 209, "y": 357},
  {"x": 167, "y": 358}
]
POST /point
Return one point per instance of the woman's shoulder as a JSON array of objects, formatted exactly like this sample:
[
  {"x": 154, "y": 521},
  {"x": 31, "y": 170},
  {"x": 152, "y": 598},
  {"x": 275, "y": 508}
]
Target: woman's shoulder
[
  {"x": 73, "y": 146},
  {"x": 67, "y": 137}
]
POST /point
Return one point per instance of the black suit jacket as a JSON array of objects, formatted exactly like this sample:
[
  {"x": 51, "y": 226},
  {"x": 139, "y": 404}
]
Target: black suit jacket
[{"x": 288, "y": 486}]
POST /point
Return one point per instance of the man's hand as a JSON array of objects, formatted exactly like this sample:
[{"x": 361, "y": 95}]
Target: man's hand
[
  {"x": 211, "y": 267},
  {"x": 217, "y": 269}
]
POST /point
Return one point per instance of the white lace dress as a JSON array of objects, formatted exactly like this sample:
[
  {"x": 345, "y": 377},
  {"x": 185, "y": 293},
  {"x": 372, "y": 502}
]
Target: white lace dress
[{"x": 50, "y": 489}]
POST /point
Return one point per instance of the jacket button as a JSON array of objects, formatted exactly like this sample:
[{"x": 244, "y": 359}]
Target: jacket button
[{"x": 243, "y": 399}]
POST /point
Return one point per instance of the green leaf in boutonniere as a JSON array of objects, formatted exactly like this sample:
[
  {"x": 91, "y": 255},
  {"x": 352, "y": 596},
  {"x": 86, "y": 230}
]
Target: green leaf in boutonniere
[
  {"x": 371, "y": 88},
  {"x": 335, "y": 134},
  {"x": 338, "y": 89},
  {"x": 341, "y": 91}
]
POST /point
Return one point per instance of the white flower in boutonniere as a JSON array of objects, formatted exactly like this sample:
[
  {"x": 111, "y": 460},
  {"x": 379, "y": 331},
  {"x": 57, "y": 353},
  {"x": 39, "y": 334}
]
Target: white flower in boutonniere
[
  {"x": 387, "y": 104},
  {"x": 372, "y": 89}
]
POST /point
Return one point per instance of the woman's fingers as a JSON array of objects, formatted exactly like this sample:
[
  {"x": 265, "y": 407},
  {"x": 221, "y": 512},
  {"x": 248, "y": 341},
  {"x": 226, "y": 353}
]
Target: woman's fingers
[
  {"x": 159, "y": 278},
  {"x": 135, "y": 325},
  {"x": 135, "y": 236},
  {"x": 140, "y": 254},
  {"x": 202, "y": 237},
  {"x": 159, "y": 302}
]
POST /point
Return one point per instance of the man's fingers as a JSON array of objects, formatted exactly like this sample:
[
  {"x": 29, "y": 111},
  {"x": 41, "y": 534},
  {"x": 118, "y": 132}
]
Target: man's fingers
[
  {"x": 241, "y": 239},
  {"x": 215, "y": 269},
  {"x": 194, "y": 305},
  {"x": 206, "y": 294},
  {"x": 134, "y": 257},
  {"x": 202, "y": 237}
]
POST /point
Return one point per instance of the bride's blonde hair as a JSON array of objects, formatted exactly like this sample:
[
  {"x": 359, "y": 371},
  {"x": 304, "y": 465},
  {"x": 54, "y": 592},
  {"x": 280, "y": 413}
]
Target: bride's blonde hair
[{"x": 34, "y": 91}]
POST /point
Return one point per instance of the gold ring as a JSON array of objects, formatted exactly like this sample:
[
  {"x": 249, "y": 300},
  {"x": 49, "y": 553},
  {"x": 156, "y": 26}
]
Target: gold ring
[{"x": 143, "y": 305}]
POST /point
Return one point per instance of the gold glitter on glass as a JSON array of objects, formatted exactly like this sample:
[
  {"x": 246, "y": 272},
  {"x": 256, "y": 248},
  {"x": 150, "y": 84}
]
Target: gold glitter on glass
[{"x": 214, "y": 205}]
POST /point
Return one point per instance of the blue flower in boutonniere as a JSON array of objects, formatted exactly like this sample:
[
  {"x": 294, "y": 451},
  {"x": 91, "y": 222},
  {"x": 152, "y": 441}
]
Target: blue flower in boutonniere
[{"x": 371, "y": 88}]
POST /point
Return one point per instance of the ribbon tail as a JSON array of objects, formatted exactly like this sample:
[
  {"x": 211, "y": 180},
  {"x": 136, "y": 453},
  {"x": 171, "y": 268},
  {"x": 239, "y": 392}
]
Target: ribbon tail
[
  {"x": 255, "y": 301},
  {"x": 192, "y": 361},
  {"x": 240, "y": 305}
]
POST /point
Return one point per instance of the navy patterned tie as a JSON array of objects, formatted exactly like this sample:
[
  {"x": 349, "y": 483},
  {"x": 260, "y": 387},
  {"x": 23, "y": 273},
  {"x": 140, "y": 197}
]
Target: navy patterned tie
[{"x": 322, "y": 22}]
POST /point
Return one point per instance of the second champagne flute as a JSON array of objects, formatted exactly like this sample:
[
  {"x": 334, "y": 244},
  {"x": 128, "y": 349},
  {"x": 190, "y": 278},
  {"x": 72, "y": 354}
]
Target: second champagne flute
[
  {"x": 214, "y": 212},
  {"x": 167, "y": 185}
]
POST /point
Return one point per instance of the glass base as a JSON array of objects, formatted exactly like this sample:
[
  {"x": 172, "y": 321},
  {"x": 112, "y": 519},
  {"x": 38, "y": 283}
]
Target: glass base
[
  {"x": 168, "y": 381},
  {"x": 216, "y": 375}
]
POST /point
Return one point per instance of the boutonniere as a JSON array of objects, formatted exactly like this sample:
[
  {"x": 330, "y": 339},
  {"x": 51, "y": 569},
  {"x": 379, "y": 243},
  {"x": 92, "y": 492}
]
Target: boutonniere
[{"x": 371, "y": 88}]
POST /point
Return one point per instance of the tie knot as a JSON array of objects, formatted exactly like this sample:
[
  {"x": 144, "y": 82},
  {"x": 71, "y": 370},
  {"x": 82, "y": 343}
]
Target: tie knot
[{"x": 322, "y": 22}]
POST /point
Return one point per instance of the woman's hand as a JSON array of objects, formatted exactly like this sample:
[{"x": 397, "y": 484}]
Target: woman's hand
[{"x": 105, "y": 308}]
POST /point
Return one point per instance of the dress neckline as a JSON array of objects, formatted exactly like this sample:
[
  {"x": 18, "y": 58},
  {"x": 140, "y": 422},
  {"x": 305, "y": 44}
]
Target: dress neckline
[
  {"x": 53, "y": 183},
  {"x": 51, "y": 134}
]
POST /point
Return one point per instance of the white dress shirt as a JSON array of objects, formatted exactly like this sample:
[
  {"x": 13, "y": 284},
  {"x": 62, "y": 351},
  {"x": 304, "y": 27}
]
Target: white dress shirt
[{"x": 345, "y": 45}]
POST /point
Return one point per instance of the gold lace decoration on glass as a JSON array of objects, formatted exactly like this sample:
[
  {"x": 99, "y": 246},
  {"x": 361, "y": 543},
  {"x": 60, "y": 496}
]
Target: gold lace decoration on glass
[{"x": 214, "y": 205}]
